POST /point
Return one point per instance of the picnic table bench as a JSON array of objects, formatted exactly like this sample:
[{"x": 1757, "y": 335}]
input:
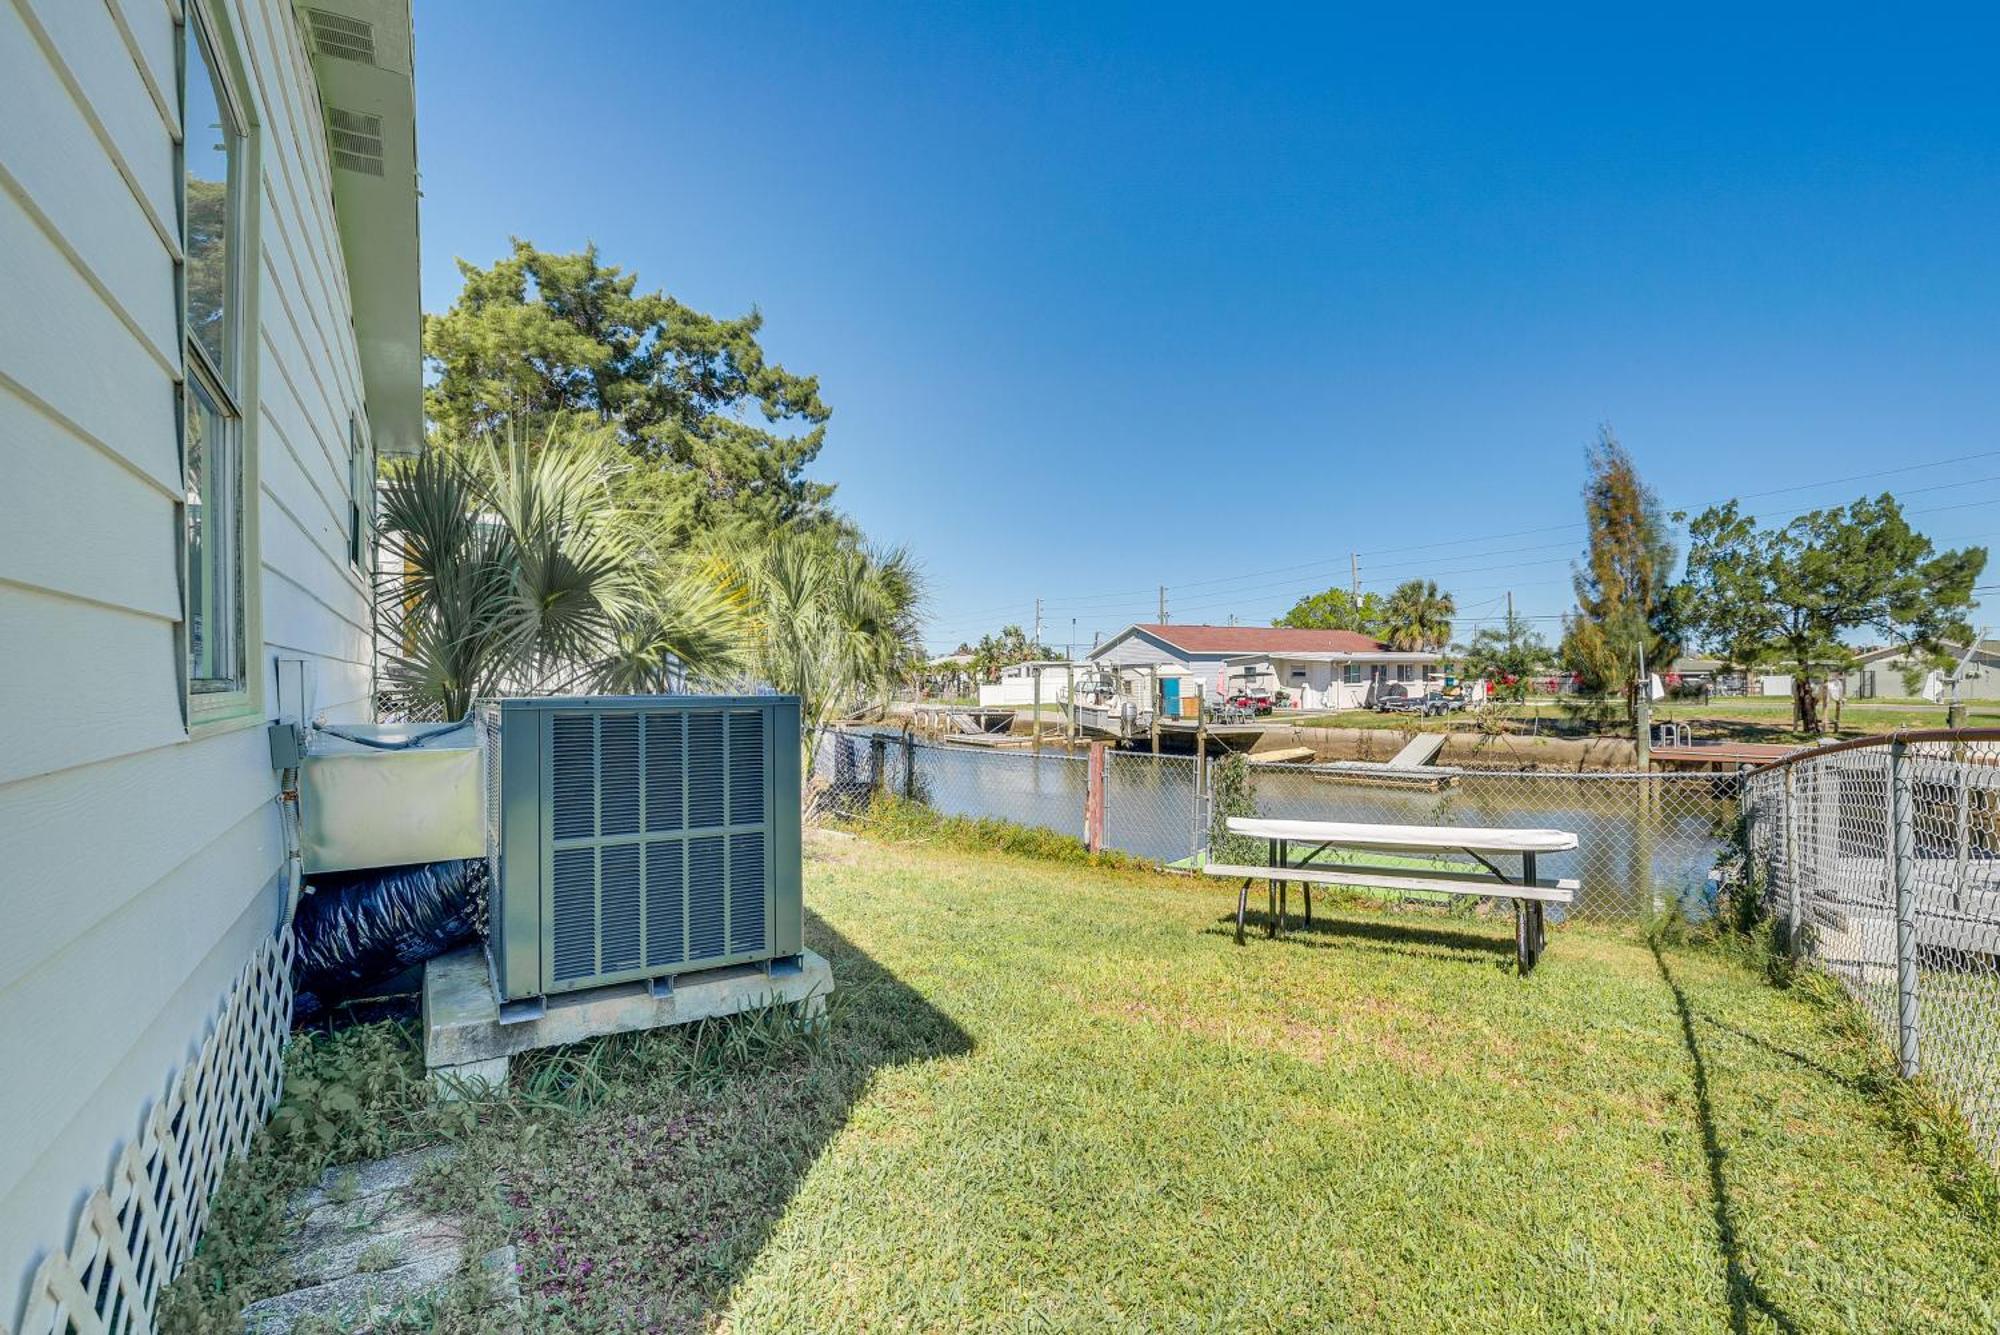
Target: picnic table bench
[{"x": 1531, "y": 895}]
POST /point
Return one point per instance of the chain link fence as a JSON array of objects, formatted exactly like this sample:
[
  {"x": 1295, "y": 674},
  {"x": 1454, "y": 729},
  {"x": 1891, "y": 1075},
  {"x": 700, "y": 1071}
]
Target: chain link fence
[
  {"x": 1646, "y": 843},
  {"x": 1882, "y": 861}
]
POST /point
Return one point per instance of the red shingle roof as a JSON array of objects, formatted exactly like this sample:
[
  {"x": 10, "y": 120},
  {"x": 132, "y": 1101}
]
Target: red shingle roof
[{"x": 1262, "y": 639}]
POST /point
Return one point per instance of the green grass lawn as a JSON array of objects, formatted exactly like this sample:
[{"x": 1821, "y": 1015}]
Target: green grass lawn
[
  {"x": 1055, "y": 1096},
  {"x": 1773, "y": 714},
  {"x": 1728, "y": 718}
]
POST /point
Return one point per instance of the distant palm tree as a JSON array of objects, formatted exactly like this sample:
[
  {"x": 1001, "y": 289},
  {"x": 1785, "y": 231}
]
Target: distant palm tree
[{"x": 1417, "y": 617}]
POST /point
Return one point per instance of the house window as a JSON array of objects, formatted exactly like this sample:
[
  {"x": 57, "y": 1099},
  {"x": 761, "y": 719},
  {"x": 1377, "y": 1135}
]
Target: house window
[
  {"x": 211, "y": 420},
  {"x": 1351, "y": 674},
  {"x": 214, "y": 517},
  {"x": 1405, "y": 672}
]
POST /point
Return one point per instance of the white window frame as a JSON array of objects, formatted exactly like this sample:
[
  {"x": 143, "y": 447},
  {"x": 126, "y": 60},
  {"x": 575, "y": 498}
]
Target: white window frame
[{"x": 219, "y": 703}]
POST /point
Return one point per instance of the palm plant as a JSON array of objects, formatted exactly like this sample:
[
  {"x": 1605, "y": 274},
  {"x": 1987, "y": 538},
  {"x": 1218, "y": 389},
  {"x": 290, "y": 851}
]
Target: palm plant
[
  {"x": 517, "y": 574},
  {"x": 835, "y": 624},
  {"x": 686, "y": 625},
  {"x": 1418, "y": 616}
]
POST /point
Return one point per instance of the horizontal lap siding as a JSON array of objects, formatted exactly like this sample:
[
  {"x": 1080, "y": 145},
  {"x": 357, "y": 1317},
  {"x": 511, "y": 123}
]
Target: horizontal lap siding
[
  {"x": 139, "y": 868},
  {"x": 46, "y": 459}
]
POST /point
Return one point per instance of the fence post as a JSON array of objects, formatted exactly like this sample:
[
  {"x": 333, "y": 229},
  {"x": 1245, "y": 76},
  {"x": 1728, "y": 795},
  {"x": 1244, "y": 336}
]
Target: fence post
[
  {"x": 1154, "y": 726},
  {"x": 1093, "y": 799},
  {"x": 909, "y": 766},
  {"x": 1069, "y": 702},
  {"x": 1962, "y": 843},
  {"x": 1902, "y": 858},
  {"x": 1792, "y": 944},
  {"x": 1195, "y": 822},
  {"x": 878, "y": 761}
]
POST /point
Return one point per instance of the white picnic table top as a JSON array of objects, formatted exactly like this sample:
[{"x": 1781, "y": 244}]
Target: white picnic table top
[{"x": 1418, "y": 838}]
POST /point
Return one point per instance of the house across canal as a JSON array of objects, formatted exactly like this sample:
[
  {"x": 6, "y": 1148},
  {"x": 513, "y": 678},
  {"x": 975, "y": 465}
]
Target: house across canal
[{"x": 1315, "y": 669}]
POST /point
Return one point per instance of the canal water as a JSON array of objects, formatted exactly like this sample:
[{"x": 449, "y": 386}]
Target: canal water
[{"x": 1644, "y": 841}]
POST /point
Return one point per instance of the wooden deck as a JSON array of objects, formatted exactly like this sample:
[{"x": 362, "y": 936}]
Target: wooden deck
[{"x": 1720, "y": 756}]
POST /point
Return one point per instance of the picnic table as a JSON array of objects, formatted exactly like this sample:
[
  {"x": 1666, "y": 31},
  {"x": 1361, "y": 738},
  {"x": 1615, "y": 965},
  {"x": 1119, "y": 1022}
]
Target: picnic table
[{"x": 1530, "y": 894}]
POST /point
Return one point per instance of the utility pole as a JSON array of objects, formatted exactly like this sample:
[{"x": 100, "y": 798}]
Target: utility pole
[
  {"x": 1354, "y": 574},
  {"x": 1163, "y": 604},
  {"x": 1038, "y": 624}
]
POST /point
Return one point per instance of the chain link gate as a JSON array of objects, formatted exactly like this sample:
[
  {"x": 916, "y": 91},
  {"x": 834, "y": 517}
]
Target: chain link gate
[{"x": 1882, "y": 860}]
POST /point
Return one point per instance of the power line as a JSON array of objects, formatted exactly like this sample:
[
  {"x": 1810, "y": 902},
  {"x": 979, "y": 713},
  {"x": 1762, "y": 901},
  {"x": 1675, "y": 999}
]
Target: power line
[
  {"x": 1249, "y": 585},
  {"x": 1235, "y": 597},
  {"x": 1108, "y": 599}
]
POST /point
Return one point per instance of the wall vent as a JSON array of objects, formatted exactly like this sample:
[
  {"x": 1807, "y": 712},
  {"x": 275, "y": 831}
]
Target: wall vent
[
  {"x": 355, "y": 138},
  {"x": 341, "y": 37}
]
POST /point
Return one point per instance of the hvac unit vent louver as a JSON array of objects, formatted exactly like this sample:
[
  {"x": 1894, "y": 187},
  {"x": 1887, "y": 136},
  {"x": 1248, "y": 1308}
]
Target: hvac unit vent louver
[
  {"x": 640, "y": 837},
  {"x": 355, "y": 139}
]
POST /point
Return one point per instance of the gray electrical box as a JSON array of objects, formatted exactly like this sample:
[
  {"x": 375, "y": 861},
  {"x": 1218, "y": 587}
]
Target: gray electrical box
[{"x": 639, "y": 837}]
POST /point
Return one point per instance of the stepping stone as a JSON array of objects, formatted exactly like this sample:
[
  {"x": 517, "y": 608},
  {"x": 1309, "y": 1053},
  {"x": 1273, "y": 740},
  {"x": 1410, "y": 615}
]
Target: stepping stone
[{"x": 361, "y": 1248}]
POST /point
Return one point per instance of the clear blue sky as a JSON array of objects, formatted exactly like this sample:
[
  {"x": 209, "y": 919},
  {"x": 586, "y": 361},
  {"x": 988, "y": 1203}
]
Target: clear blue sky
[{"x": 1107, "y": 298}]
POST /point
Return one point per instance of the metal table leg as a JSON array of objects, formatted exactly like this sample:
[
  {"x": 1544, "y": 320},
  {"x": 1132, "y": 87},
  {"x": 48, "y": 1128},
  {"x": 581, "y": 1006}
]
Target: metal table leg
[
  {"x": 1284, "y": 887},
  {"x": 1270, "y": 889},
  {"x": 1531, "y": 918},
  {"x": 1242, "y": 906}
]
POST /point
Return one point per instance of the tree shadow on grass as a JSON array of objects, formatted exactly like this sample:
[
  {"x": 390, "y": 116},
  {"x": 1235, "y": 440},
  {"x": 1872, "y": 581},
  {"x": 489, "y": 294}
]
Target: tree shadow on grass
[
  {"x": 1745, "y": 1293},
  {"x": 649, "y": 1210},
  {"x": 1857, "y": 1084}
]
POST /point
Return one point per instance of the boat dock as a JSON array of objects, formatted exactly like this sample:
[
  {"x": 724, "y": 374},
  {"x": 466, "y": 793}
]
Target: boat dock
[{"x": 1719, "y": 757}]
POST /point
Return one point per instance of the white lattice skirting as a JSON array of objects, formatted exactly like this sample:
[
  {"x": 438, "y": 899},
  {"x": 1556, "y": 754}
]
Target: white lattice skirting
[{"x": 137, "y": 1233}]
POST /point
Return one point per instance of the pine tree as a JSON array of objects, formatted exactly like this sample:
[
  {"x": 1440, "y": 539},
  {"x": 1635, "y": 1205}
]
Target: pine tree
[
  {"x": 1622, "y": 587},
  {"x": 538, "y": 336}
]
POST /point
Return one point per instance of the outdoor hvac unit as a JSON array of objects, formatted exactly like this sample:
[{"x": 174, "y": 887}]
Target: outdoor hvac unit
[{"x": 639, "y": 837}]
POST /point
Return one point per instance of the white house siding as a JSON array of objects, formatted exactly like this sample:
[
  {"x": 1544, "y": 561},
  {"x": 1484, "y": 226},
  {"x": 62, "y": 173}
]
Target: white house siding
[
  {"x": 138, "y": 867},
  {"x": 1882, "y": 678}
]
